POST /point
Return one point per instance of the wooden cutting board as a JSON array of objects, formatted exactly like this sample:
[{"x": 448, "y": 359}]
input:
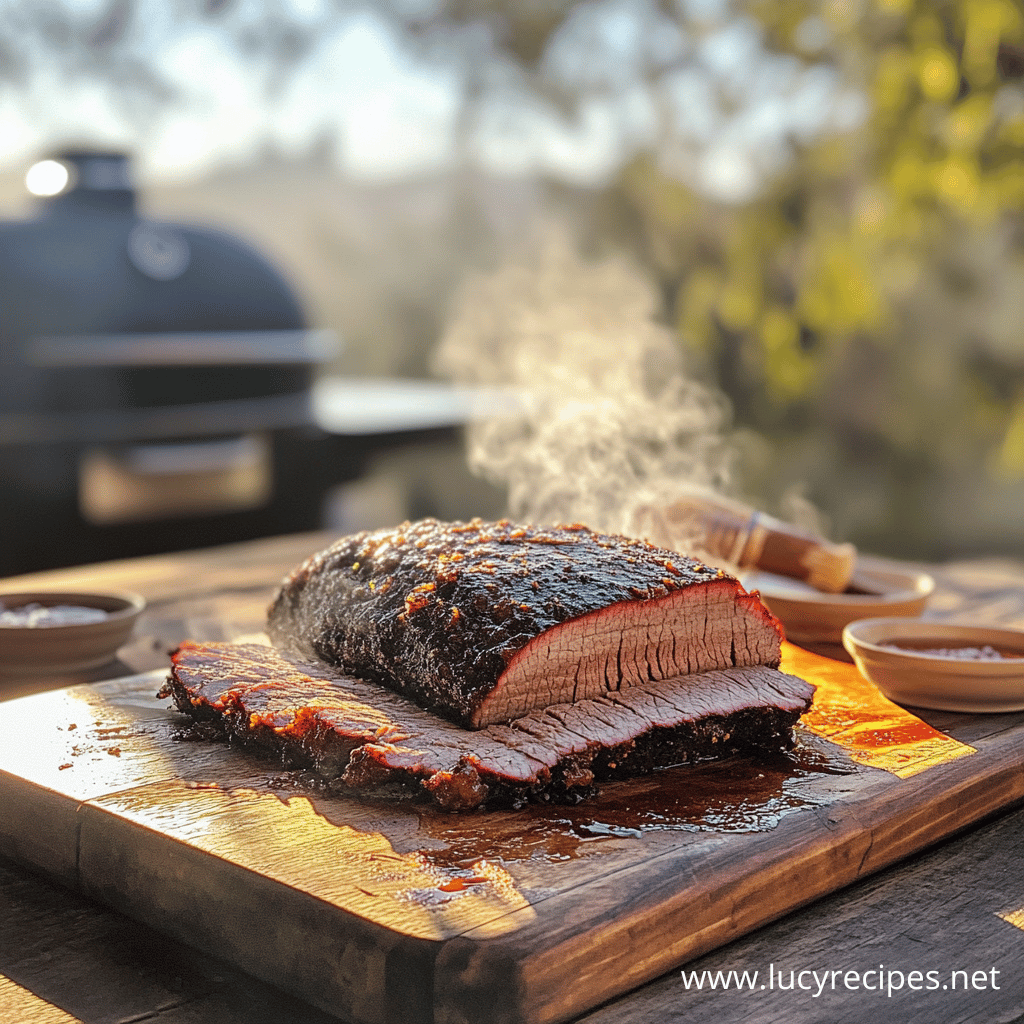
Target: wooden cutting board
[{"x": 392, "y": 913}]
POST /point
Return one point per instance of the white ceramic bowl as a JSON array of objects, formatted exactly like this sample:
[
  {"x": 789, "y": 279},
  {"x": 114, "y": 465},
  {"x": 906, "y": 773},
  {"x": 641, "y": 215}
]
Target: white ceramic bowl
[
  {"x": 55, "y": 648},
  {"x": 892, "y": 653},
  {"x": 812, "y": 617}
]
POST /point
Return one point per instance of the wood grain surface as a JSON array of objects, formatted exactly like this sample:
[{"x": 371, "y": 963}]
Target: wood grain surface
[
  {"x": 939, "y": 912},
  {"x": 582, "y": 905},
  {"x": 389, "y": 913}
]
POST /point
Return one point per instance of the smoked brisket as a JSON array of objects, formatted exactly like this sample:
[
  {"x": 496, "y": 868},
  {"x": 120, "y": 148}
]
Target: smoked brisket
[
  {"x": 360, "y": 737},
  {"x": 486, "y": 622}
]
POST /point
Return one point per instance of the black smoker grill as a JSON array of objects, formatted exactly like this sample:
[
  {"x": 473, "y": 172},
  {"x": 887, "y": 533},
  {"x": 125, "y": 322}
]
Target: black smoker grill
[{"x": 154, "y": 384}]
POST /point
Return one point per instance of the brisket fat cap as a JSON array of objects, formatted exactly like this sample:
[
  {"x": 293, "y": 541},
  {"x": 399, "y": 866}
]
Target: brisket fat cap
[
  {"x": 362, "y": 739},
  {"x": 484, "y": 622}
]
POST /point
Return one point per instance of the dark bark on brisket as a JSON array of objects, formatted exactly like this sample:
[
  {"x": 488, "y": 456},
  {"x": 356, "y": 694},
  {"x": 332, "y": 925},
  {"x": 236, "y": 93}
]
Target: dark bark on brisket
[
  {"x": 482, "y": 622},
  {"x": 364, "y": 738}
]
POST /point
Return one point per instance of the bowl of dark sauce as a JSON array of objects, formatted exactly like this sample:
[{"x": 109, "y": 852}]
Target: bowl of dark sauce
[{"x": 943, "y": 666}]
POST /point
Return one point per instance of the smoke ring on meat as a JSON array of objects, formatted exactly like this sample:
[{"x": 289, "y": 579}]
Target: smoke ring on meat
[
  {"x": 483, "y": 623},
  {"x": 363, "y": 739}
]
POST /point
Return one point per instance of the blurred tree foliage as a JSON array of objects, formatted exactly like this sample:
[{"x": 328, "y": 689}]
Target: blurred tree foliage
[
  {"x": 863, "y": 308},
  {"x": 864, "y": 312}
]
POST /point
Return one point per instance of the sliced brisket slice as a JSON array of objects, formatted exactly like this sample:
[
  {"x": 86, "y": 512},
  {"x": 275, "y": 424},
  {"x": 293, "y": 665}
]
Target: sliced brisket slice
[
  {"x": 484, "y": 622},
  {"x": 361, "y": 737}
]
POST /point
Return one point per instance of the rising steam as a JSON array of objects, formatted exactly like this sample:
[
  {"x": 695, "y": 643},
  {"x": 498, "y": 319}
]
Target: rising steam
[{"x": 612, "y": 428}]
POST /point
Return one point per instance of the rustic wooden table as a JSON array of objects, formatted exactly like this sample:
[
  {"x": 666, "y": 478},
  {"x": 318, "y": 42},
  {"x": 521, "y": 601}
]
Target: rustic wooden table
[{"x": 954, "y": 908}]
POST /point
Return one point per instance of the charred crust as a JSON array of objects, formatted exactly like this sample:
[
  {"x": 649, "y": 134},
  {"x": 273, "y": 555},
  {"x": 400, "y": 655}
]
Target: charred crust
[
  {"x": 396, "y": 605},
  {"x": 223, "y": 689}
]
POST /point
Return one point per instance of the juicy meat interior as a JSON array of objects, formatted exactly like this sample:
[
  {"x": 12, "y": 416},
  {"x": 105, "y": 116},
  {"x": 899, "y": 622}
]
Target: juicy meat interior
[
  {"x": 485, "y": 622},
  {"x": 361, "y": 738}
]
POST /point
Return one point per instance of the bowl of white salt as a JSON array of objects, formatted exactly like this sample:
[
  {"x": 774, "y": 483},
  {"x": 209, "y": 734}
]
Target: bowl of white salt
[{"x": 63, "y": 631}]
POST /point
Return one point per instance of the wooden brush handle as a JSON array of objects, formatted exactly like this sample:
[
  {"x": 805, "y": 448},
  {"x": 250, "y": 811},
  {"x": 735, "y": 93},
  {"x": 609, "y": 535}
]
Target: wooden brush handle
[{"x": 751, "y": 539}]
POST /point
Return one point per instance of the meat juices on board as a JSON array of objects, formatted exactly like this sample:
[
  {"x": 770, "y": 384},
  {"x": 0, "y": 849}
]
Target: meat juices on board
[
  {"x": 560, "y": 657},
  {"x": 360, "y": 737}
]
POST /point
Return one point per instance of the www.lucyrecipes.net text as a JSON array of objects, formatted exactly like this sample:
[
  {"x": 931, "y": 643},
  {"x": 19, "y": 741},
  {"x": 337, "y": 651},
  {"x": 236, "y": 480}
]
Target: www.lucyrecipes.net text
[{"x": 886, "y": 981}]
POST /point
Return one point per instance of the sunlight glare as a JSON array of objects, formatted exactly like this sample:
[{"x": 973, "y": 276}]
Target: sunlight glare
[{"x": 47, "y": 178}]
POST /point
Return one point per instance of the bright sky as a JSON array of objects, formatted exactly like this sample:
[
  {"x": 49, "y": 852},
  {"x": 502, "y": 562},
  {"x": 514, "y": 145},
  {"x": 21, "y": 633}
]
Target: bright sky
[{"x": 718, "y": 109}]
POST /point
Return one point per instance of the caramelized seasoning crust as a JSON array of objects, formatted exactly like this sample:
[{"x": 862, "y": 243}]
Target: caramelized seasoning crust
[
  {"x": 360, "y": 738},
  {"x": 440, "y": 611}
]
